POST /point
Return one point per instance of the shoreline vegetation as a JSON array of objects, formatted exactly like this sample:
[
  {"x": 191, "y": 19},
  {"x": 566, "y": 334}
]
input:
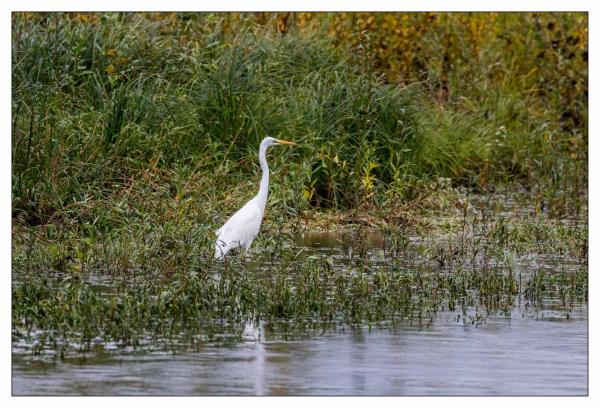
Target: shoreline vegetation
[{"x": 460, "y": 138}]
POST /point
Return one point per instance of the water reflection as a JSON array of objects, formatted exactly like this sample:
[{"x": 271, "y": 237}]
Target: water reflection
[
  {"x": 512, "y": 356},
  {"x": 340, "y": 239}
]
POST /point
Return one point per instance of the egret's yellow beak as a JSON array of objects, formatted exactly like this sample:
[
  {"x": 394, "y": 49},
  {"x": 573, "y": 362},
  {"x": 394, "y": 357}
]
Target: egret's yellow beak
[{"x": 285, "y": 142}]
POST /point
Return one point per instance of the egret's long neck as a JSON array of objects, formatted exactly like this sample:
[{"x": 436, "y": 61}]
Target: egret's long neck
[{"x": 263, "y": 191}]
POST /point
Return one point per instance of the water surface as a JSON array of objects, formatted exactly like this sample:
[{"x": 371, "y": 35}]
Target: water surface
[{"x": 509, "y": 356}]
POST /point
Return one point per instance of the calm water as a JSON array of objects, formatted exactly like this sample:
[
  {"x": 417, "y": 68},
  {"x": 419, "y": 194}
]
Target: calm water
[
  {"x": 542, "y": 353},
  {"x": 503, "y": 356}
]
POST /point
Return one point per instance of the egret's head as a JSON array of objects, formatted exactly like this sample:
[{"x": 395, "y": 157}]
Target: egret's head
[{"x": 269, "y": 141}]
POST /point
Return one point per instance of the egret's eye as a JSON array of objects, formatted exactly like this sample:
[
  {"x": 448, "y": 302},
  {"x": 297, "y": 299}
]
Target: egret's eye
[{"x": 223, "y": 245}]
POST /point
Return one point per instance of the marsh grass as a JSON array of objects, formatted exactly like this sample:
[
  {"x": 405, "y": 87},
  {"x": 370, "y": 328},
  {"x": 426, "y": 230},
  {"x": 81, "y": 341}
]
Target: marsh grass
[
  {"x": 134, "y": 136},
  {"x": 477, "y": 265}
]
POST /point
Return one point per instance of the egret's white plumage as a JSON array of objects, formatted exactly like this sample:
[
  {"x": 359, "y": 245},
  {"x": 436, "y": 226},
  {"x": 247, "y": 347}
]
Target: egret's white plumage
[{"x": 241, "y": 229}]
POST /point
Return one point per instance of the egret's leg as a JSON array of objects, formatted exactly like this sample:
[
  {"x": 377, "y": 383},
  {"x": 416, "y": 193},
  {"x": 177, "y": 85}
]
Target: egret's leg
[{"x": 246, "y": 250}]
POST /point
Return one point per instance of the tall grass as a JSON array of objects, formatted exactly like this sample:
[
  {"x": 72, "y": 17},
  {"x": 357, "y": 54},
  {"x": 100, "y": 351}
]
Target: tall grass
[
  {"x": 102, "y": 108},
  {"x": 128, "y": 123},
  {"x": 100, "y": 99}
]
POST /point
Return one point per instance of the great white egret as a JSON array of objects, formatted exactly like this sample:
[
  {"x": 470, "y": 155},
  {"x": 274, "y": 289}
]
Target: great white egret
[{"x": 241, "y": 229}]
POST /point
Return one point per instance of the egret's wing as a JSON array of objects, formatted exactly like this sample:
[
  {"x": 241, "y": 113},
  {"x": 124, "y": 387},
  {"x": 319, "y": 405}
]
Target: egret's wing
[{"x": 243, "y": 225}]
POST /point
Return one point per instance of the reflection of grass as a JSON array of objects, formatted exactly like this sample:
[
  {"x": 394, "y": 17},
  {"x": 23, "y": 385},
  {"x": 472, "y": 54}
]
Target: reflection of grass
[{"x": 197, "y": 303}]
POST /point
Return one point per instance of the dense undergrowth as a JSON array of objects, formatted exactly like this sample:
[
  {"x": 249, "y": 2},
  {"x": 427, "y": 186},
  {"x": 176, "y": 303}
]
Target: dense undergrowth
[
  {"x": 109, "y": 105},
  {"x": 135, "y": 135}
]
